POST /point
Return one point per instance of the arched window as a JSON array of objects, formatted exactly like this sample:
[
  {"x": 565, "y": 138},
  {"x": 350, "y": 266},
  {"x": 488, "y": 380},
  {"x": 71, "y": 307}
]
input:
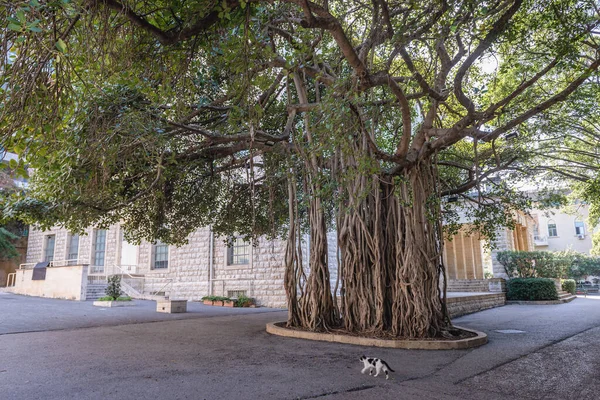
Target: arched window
[{"x": 552, "y": 232}]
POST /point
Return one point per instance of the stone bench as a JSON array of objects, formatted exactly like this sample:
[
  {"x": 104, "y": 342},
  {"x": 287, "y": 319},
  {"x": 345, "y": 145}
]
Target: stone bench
[{"x": 171, "y": 306}]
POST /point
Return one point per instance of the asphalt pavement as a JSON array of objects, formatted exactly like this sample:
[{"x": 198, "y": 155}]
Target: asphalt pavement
[{"x": 534, "y": 352}]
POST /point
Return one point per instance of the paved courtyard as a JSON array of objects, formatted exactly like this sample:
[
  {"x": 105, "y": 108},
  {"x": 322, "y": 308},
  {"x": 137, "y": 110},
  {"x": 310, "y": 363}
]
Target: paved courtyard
[{"x": 54, "y": 350}]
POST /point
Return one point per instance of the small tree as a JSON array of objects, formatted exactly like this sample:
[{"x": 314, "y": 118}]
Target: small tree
[
  {"x": 113, "y": 289},
  {"x": 7, "y": 247}
]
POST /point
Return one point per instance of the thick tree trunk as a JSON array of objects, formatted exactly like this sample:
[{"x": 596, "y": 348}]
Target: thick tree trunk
[
  {"x": 390, "y": 242},
  {"x": 310, "y": 300},
  {"x": 391, "y": 248}
]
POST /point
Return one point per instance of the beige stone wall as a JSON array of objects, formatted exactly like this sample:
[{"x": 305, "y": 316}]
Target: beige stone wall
[
  {"x": 60, "y": 283},
  {"x": 520, "y": 239},
  {"x": 187, "y": 276},
  {"x": 458, "y": 306},
  {"x": 564, "y": 219}
]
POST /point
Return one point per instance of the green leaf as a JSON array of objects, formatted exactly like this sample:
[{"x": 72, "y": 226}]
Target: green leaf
[
  {"x": 61, "y": 45},
  {"x": 14, "y": 27}
]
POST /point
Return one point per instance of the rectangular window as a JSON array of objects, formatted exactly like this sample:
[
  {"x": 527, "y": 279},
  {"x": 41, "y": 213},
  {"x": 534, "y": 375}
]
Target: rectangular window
[
  {"x": 234, "y": 294},
  {"x": 552, "y": 232},
  {"x": 49, "y": 248},
  {"x": 161, "y": 256},
  {"x": 239, "y": 252},
  {"x": 73, "y": 253},
  {"x": 99, "y": 247},
  {"x": 579, "y": 228}
]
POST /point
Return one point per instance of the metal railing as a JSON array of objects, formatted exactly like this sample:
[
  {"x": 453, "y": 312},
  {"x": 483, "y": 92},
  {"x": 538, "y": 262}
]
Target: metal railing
[
  {"x": 12, "y": 277},
  {"x": 133, "y": 284},
  {"x": 54, "y": 263}
]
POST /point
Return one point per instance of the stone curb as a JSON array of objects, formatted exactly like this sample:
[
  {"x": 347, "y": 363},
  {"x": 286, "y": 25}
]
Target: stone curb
[
  {"x": 540, "y": 302},
  {"x": 103, "y": 303},
  {"x": 476, "y": 341}
]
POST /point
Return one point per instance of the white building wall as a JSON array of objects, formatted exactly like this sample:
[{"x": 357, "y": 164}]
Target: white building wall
[{"x": 565, "y": 226}]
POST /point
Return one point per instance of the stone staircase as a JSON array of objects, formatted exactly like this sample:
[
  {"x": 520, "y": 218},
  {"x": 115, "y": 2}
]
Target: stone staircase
[
  {"x": 565, "y": 297},
  {"x": 468, "y": 285},
  {"x": 94, "y": 292}
]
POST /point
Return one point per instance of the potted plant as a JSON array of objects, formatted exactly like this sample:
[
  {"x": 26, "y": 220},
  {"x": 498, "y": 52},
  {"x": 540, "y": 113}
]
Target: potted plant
[
  {"x": 215, "y": 300},
  {"x": 113, "y": 296},
  {"x": 207, "y": 300},
  {"x": 244, "y": 301},
  {"x": 228, "y": 303},
  {"x": 219, "y": 300}
]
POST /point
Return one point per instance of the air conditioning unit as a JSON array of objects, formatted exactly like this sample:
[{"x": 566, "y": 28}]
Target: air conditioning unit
[{"x": 581, "y": 236}]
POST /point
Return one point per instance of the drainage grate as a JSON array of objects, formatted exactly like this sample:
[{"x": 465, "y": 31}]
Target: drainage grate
[{"x": 510, "y": 331}]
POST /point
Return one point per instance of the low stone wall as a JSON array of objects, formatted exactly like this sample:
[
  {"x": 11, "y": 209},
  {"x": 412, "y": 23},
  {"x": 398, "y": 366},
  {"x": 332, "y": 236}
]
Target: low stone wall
[
  {"x": 477, "y": 285},
  {"x": 60, "y": 283},
  {"x": 458, "y": 306}
]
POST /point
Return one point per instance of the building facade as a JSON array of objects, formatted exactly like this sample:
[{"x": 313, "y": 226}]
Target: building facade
[
  {"x": 469, "y": 256},
  {"x": 565, "y": 228},
  {"x": 206, "y": 265},
  {"x": 210, "y": 265}
]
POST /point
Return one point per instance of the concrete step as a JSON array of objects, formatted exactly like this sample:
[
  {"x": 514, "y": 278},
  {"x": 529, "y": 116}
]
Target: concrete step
[
  {"x": 94, "y": 292},
  {"x": 568, "y": 298}
]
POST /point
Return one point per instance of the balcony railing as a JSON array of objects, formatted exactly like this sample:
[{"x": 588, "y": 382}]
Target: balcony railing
[{"x": 540, "y": 240}]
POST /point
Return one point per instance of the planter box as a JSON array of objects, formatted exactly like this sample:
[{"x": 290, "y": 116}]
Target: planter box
[
  {"x": 228, "y": 303},
  {"x": 113, "y": 303},
  {"x": 218, "y": 303},
  {"x": 171, "y": 306},
  {"x": 207, "y": 302}
]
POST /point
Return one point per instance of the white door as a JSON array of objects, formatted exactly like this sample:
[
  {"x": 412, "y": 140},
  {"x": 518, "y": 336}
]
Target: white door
[{"x": 129, "y": 253}]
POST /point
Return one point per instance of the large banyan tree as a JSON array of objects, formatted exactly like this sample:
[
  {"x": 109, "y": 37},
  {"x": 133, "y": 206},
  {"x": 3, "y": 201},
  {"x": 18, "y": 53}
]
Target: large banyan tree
[{"x": 294, "y": 116}]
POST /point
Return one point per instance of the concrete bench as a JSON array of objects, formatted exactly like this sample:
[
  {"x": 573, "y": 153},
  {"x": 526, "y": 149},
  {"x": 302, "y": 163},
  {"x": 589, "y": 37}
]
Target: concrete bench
[{"x": 171, "y": 306}]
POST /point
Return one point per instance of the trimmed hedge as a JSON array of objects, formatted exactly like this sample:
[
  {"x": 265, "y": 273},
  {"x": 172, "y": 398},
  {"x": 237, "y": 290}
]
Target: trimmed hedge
[
  {"x": 569, "y": 285},
  {"x": 531, "y": 289}
]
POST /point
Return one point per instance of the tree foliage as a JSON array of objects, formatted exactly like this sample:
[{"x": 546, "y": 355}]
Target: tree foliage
[
  {"x": 534, "y": 264},
  {"x": 365, "y": 116}
]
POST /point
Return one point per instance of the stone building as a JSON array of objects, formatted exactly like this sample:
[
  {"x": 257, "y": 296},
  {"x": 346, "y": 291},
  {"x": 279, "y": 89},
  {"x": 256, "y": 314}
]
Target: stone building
[
  {"x": 564, "y": 228},
  {"x": 210, "y": 265},
  {"x": 206, "y": 265},
  {"x": 469, "y": 260}
]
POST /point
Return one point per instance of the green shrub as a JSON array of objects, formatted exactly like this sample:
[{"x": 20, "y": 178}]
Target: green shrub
[
  {"x": 581, "y": 265},
  {"x": 215, "y": 298},
  {"x": 113, "y": 290},
  {"x": 569, "y": 285},
  {"x": 109, "y": 298},
  {"x": 244, "y": 301},
  {"x": 534, "y": 264},
  {"x": 531, "y": 289}
]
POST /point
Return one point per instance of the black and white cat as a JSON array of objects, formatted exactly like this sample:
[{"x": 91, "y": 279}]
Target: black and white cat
[{"x": 376, "y": 363}]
